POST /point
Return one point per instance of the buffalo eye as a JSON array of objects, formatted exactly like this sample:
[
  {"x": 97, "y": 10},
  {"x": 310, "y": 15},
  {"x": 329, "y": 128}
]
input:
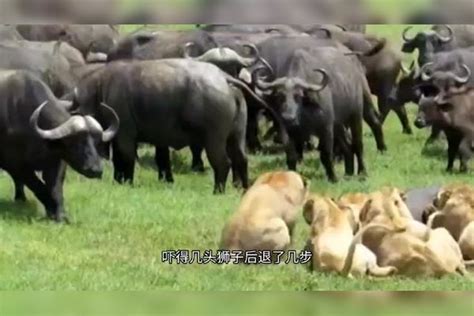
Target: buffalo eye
[
  {"x": 280, "y": 98},
  {"x": 445, "y": 107},
  {"x": 428, "y": 90}
]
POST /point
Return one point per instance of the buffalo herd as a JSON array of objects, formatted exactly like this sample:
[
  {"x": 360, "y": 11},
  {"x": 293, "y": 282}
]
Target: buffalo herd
[{"x": 73, "y": 94}]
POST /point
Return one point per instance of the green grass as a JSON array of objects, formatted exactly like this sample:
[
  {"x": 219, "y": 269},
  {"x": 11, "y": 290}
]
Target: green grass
[{"x": 118, "y": 232}]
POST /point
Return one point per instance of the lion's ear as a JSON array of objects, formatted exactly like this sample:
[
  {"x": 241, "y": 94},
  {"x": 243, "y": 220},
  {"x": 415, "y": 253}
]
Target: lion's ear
[
  {"x": 403, "y": 195},
  {"x": 365, "y": 211},
  {"x": 442, "y": 198},
  {"x": 308, "y": 211}
]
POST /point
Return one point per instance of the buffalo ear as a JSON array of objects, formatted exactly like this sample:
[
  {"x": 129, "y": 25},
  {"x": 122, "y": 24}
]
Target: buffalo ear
[
  {"x": 144, "y": 39},
  {"x": 308, "y": 211},
  {"x": 445, "y": 107},
  {"x": 309, "y": 100}
]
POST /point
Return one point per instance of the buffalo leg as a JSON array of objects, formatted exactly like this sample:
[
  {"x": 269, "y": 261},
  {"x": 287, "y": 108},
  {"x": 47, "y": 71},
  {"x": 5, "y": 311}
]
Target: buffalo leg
[
  {"x": 238, "y": 157},
  {"x": 19, "y": 191},
  {"x": 464, "y": 155},
  {"x": 124, "y": 162},
  {"x": 54, "y": 180},
  {"x": 435, "y": 132},
  {"x": 291, "y": 155},
  {"x": 253, "y": 141},
  {"x": 217, "y": 155},
  {"x": 342, "y": 143},
  {"x": 384, "y": 110},
  {"x": 19, "y": 188},
  {"x": 371, "y": 118},
  {"x": 326, "y": 148},
  {"x": 197, "y": 164},
  {"x": 163, "y": 162},
  {"x": 454, "y": 141},
  {"x": 294, "y": 150},
  {"x": 358, "y": 145},
  {"x": 40, "y": 190},
  {"x": 403, "y": 117},
  {"x": 299, "y": 145}
]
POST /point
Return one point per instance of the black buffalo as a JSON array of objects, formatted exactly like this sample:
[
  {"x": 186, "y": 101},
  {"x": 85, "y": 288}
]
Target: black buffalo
[
  {"x": 57, "y": 64},
  {"x": 440, "y": 38},
  {"x": 278, "y": 51},
  {"x": 9, "y": 33},
  {"x": 311, "y": 104},
  {"x": 88, "y": 39},
  {"x": 429, "y": 114},
  {"x": 171, "y": 103},
  {"x": 146, "y": 45},
  {"x": 382, "y": 64},
  {"x": 39, "y": 134}
]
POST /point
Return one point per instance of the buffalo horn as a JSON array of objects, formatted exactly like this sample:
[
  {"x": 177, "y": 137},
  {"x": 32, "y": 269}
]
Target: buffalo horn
[
  {"x": 110, "y": 132},
  {"x": 405, "y": 35},
  {"x": 465, "y": 79},
  {"x": 424, "y": 75},
  {"x": 73, "y": 125}
]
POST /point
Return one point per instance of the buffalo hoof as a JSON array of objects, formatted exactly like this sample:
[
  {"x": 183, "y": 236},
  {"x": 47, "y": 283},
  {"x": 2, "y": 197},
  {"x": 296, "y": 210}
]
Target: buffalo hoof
[
  {"x": 449, "y": 170},
  {"x": 20, "y": 198},
  {"x": 382, "y": 149},
  {"x": 407, "y": 131},
  {"x": 348, "y": 177},
  {"x": 219, "y": 189},
  {"x": 166, "y": 178},
  {"x": 464, "y": 169},
  {"x": 237, "y": 184},
  {"x": 58, "y": 218},
  {"x": 198, "y": 168},
  {"x": 333, "y": 179}
]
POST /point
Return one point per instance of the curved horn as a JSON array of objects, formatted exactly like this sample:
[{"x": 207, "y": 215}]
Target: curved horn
[
  {"x": 317, "y": 87},
  {"x": 186, "y": 50},
  {"x": 96, "y": 57},
  {"x": 73, "y": 125},
  {"x": 446, "y": 39},
  {"x": 110, "y": 132},
  {"x": 424, "y": 75},
  {"x": 325, "y": 30},
  {"x": 342, "y": 27},
  {"x": 440, "y": 99},
  {"x": 404, "y": 69},
  {"x": 404, "y": 35},
  {"x": 66, "y": 104},
  {"x": 465, "y": 79},
  {"x": 264, "y": 86},
  {"x": 272, "y": 29},
  {"x": 248, "y": 62},
  {"x": 258, "y": 57}
]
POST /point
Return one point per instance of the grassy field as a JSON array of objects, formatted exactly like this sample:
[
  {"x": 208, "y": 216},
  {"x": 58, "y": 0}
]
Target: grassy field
[{"x": 118, "y": 232}]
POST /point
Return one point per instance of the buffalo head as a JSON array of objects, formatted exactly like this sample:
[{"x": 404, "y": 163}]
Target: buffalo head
[
  {"x": 449, "y": 81},
  {"x": 427, "y": 43},
  {"x": 289, "y": 93},
  {"x": 77, "y": 138},
  {"x": 230, "y": 60},
  {"x": 407, "y": 87},
  {"x": 428, "y": 112}
]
